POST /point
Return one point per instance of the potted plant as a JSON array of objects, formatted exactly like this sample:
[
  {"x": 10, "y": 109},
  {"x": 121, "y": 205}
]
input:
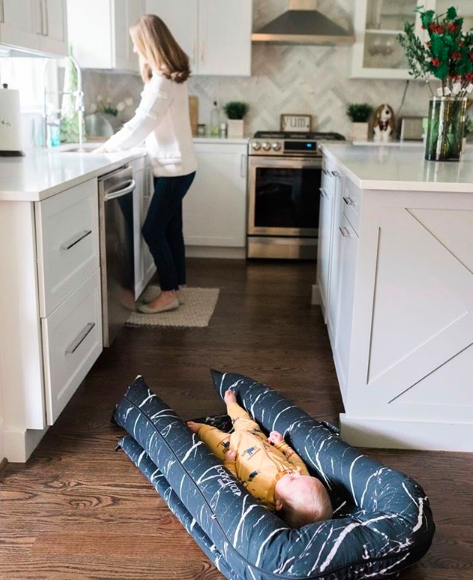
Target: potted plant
[
  {"x": 359, "y": 113},
  {"x": 448, "y": 57},
  {"x": 236, "y": 111}
]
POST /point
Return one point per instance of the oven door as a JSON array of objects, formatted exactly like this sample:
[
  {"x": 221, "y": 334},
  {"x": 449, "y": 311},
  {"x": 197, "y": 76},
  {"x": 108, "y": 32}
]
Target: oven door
[{"x": 284, "y": 196}]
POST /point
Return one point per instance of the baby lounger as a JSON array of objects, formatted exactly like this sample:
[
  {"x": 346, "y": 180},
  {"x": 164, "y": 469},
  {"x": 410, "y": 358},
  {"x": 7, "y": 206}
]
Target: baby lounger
[{"x": 382, "y": 520}]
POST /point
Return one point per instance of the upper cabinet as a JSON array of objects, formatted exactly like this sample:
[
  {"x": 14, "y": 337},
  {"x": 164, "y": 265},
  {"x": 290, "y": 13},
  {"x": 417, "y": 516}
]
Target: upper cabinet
[
  {"x": 216, "y": 34},
  {"x": 99, "y": 32},
  {"x": 376, "y": 52},
  {"x": 34, "y": 25}
]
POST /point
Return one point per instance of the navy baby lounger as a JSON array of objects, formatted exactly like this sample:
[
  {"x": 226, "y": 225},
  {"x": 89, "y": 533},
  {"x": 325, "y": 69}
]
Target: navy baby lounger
[{"x": 382, "y": 520}]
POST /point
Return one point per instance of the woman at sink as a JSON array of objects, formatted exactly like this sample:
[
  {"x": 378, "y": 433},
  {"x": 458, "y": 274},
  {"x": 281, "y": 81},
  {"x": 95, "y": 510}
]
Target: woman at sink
[{"x": 162, "y": 121}]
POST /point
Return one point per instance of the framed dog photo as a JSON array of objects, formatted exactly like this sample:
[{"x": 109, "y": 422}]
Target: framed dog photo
[{"x": 296, "y": 123}]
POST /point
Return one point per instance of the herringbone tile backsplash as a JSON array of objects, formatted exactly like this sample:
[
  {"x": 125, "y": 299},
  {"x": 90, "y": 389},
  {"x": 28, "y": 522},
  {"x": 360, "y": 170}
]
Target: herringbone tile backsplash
[{"x": 285, "y": 79}]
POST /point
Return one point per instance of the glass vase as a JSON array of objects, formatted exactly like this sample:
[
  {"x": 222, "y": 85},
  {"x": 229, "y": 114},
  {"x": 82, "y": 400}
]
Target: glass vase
[{"x": 446, "y": 128}]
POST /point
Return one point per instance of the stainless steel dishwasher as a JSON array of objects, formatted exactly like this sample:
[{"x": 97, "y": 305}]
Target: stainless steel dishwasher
[{"x": 116, "y": 250}]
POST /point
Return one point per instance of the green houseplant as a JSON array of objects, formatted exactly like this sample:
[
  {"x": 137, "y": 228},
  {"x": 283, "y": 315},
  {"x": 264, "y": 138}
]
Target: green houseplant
[
  {"x": 448, "y": 57},
  {"x": 236, "y": 111},
  {"x": 359, "y": 113}
]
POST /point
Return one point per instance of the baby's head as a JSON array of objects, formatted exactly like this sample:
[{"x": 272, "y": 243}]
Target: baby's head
[{"x": 302, "y": 499}]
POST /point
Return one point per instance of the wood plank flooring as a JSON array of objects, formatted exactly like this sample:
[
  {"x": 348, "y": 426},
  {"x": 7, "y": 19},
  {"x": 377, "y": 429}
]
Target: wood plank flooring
[{"x": 79, "y": 511}]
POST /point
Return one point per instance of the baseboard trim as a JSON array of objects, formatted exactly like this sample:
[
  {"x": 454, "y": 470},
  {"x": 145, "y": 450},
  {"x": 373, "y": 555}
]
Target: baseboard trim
[
  {"x": 387, "y": 433},
  {"x": 215, "y": 252},
  {"x": 19, "y": 444}
]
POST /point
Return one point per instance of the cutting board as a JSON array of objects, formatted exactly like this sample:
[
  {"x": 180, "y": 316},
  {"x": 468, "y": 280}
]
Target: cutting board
[{"x": 194, "y": 113}]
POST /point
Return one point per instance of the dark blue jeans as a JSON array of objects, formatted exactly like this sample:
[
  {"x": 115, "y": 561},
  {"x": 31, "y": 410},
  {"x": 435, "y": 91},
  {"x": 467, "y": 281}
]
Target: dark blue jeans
[{"x": 162, "y": 229}]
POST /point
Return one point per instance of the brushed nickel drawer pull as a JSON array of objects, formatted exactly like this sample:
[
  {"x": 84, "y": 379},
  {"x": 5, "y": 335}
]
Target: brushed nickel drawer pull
[
  {"x": 348, "y": 201},
  {"x": 325, "y": 172},
  {"x": 344, "y": 231},
  {"x": 75, "y": 240},
  {"x": 80, "y": 339},
  {"x": 335, "y": 174}
]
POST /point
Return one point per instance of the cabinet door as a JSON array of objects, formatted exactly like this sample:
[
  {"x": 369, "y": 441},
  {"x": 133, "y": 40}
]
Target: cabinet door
[
  {"x": 215, "y": 206},
  {"x": 54, "y": 27},
  {"x": 135, "y": 9},
  {"x": 225, "y": 37},
  {"x": 344, "y": 311},
  {"x": 376, "y": 52},
  {"x": 325, "y": 236},
  {"x": 180, "y": 16},
  {"x": 334, "y": 264},
  {"x": 120, "y": 33},
  {"x": 20, "y": 23}
]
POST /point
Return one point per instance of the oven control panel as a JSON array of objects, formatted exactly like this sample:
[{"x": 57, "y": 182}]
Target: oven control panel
[{"x": 284, "y": 147}]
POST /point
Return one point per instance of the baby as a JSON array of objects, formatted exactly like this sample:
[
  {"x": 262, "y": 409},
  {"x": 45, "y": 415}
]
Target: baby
[{"x": 270, "y": 470}]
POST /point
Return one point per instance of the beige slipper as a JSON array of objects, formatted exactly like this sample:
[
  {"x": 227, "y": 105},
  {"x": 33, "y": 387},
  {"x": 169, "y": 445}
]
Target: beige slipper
[{"x": 145, "y": 309}]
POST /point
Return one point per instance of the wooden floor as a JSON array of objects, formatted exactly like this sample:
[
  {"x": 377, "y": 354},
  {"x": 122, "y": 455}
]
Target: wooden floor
[{"x": 77, "y": 510}]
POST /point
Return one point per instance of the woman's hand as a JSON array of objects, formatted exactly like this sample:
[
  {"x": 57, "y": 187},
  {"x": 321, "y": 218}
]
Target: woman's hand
[
  {"x": 230, "y": 455},
  {"x": 275, "y": 438}
]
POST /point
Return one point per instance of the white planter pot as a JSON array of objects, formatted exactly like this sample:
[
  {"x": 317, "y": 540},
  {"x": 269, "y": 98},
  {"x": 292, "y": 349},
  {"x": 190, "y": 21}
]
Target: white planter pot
[
  {"x": 235, "y": 128},
  {"x": 359, "y": 131}
]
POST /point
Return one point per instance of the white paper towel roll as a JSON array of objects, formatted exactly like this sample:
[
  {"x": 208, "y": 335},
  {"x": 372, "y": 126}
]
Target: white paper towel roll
[{"x": 10, "y": 120}]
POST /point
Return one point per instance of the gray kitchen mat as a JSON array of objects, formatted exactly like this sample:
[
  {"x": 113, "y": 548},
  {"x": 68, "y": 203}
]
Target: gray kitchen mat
[{"x": 196, "y": 312}]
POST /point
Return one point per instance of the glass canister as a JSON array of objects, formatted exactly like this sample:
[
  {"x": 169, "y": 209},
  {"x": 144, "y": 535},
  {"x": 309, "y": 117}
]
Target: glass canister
[{"x": 445, "y": 129}]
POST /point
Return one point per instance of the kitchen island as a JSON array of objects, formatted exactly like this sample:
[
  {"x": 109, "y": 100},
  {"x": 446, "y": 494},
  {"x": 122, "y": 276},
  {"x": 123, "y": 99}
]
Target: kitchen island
[{"x": 395, "y": 282}]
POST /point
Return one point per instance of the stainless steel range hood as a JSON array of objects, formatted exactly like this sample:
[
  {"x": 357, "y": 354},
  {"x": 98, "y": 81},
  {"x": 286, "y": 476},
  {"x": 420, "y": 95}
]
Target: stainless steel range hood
[{"x": 303, "y": 24}]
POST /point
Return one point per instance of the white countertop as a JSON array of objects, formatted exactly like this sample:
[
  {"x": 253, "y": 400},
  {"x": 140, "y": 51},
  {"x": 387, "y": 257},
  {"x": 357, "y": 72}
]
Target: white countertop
[
  {"x": 402, "y": 168},
  {"x": 44, "y": 172}
]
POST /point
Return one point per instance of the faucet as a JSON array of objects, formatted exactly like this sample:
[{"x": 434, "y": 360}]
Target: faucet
[{"x": 79, "y": 100}]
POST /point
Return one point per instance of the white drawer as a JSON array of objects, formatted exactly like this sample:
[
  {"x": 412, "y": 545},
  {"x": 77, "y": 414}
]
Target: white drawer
[
  {"x": 68, "y": 243},
  {"x": 351, "y": 201},
  {"x": 72, "y": 342}
]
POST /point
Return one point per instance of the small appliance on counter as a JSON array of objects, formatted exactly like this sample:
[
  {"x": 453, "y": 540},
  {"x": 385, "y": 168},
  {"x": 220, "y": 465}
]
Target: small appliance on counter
[{"x": 11, "y": 144}]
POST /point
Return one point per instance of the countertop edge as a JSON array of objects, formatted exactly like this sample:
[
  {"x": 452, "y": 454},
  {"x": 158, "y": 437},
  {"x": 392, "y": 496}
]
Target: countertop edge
[
  {"x": 112, "y": 161},
  {"x": 409, "y": 186}
]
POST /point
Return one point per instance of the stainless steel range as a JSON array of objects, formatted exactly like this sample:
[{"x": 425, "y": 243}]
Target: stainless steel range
[{"x": 285, "y": 171}]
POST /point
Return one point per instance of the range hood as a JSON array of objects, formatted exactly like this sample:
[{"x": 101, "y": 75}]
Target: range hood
[{"x": 303, "y": 24}]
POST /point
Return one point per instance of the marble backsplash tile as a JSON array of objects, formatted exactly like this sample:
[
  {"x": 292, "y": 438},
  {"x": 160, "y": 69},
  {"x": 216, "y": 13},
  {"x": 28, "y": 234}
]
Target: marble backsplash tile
[{"x": 285, "y": 79}]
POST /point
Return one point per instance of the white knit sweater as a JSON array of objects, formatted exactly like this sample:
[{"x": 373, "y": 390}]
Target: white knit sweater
[{"x": 162, "y": 120}]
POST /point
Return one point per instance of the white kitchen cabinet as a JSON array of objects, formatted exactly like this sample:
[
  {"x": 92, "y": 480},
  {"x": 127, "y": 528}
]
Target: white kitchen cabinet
[
  {"x": 343, "y": 300},
  {"x": 402, "y": 329},
  {"x": 215, "y": 206},
  {"x": 34, "y": 25},
  {"x": 181, "y": 17},
  {"x": 51, "y": 309},
  {"x": 376, "y": 53},
  {"x": 327, "y": 218},
  {"x": 20, "y": 23},
  {"x": 99, "y": 32},
  {"x": 216, "y": 34},
  {"x": 53, "y": 37}
]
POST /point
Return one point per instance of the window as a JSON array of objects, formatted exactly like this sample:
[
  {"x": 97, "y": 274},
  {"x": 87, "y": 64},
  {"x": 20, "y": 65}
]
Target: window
[{"x": 29, "y": 76}]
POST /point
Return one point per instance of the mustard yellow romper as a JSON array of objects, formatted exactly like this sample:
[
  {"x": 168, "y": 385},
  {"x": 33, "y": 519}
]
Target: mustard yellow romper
[{"x": 258, "y": 464}]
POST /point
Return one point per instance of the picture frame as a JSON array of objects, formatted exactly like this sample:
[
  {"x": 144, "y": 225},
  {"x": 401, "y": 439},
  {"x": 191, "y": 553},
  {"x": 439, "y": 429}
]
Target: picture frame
[{"x": 296, "y": 123}]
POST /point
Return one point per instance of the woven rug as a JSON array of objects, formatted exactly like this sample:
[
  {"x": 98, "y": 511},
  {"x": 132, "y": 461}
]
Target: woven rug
[{"x": 195, "y": 313}]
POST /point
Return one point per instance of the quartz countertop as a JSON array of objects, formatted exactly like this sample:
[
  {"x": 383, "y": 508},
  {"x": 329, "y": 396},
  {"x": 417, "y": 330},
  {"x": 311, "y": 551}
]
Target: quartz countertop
[
  {"x": 42, "y": 173},
  {"x": 402, "y": 168}
]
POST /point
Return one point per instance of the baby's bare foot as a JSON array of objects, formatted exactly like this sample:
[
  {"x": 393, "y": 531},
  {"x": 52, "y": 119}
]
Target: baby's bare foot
[
  {"x": 194, "y": 426},
  {"x": 230, "y": 455},
  {"x": 229, "y": 397}
]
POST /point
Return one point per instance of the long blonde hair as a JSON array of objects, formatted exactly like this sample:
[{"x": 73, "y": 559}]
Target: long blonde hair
[{"x": 159, "y": 48}]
